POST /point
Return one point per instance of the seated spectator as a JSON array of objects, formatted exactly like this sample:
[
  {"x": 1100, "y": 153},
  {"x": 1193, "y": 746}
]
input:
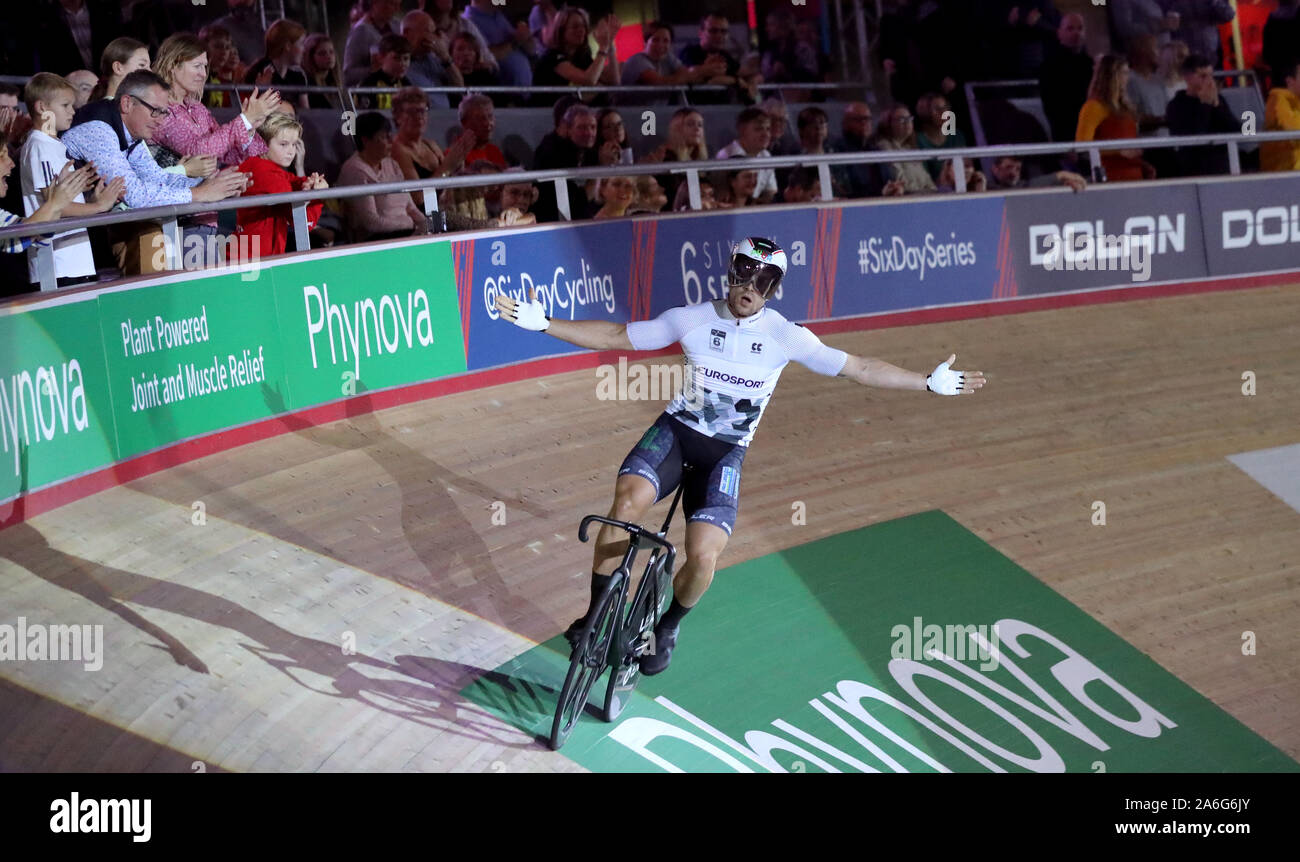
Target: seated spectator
[
  {"x": 814, "y": 131},
  {"x": 1197, "y": 23},
  {"x": 515, "y": 201},
  {"x": 811, "y": 63},
  {"x": 686, "y": 143},
  {"x": 1280, "y": 40},
  {"x": 14, "y": 124},
  {"x": 650, "y": 196},
  {"x": 321, "y": 66},
  {"x": 575, "y": 149},
  {"x": 736, "y": 188},
  {"x": 1146, "y": 89},
  {"x": 1023, "y": 30},
  {"x": 748, "y": 79},
  {"x": 1282, "y": 114},
  {"x": 937, "y": 129},
  {"x": 244, "y": 24},
  {"x": 478, "y": 117},
  {"x": 713, "y": 47},
  {"x": 801, "y": 186},
  {"x": 753, "y": 134},
  {"x": 975, "y": 180},
  {"x": 264, "y": 230},
  {"x": 448, "y": 25},
  {"x": 507, "y": 42},
  {"x": 1199, "y": 110},
  {"x": 611, "y": 138},
  {"x": 1108, "y": 115},
  {"x": 899, "y": 135},
  {"x": 84, "y": 81},
  {"x": 558, "y": 135},
  {"x": 121, "y": 57},
  {"x": 616, "y": 195},
  {"x": 856, "y": 136},
  {"x": 469, "y": 66},
  {"x": 430, "y": 56},
  {"x": 364, "y": 37},
  {"x": 224, "y": 66},
  {"x": 190, "y": 129},
  {"x": 569, "y": 60},
  {"x": 1008, "y": 173},
  {"x": 281, "y": 65},
  {"x": 141, "y": 100},
  {"x": 394, "y": 60},
  {"x": 1065, "y": 76},
  {"x": 473, "y": 207},
  {"x": 63, "y": 192},
  {"x": 682, "y": 200},
  {"x": 386, "y": 216},
  {"x": 657, "y": 66},
  {"x": 784, "y": 143},
  {"x": 418, "y": 156},
  {"x": 43, "y": 158},
  {"x": 1172, "y": 57}
]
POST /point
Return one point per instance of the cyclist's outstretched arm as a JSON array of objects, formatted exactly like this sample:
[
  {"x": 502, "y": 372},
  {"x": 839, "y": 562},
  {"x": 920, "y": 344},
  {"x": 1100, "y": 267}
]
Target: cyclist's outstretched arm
[
  {"x": 943, "y": 380},
  {"x": 593, "y": 334}
]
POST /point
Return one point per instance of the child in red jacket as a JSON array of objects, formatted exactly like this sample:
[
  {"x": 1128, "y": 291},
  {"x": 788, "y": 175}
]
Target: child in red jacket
[{"x": 264, "y": 231}]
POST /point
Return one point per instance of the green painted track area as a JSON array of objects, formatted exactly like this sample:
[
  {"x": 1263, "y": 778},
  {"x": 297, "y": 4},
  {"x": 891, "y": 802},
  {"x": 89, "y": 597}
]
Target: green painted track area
[{"x": 906, "y": 646}]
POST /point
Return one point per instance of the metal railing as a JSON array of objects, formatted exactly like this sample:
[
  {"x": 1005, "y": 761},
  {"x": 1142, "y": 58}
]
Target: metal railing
[{"x": 169, "y": 216}]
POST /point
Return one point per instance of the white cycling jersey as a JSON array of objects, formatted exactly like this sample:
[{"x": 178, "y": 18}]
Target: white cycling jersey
[{"x": 732, "y": 364}]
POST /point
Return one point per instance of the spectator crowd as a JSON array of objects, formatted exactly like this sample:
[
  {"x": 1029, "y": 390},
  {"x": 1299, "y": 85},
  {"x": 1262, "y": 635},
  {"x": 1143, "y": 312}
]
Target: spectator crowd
[{"x": 121, "y": 103}]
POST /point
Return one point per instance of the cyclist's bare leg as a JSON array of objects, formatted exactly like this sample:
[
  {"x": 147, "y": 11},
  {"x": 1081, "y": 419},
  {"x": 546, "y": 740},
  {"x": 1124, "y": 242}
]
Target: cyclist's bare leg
[
  {"x": 633, "y": 497},
  {"x": 704, "y": 544}
]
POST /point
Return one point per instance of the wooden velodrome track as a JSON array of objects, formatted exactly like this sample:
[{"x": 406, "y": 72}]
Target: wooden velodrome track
[{"x": 225, "y": 636}]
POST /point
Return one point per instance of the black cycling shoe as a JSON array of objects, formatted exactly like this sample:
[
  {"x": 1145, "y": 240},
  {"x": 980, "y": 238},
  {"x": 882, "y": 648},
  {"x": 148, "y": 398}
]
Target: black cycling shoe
[
  {"x": 657, "y": 661},
  {"x": 573, "y": 633}
]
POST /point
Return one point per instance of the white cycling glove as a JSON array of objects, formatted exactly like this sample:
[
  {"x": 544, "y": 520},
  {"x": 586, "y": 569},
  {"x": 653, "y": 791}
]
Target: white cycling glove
[
  {"x": 944, "y": 381},
  {"x": 530, "y": 315}
]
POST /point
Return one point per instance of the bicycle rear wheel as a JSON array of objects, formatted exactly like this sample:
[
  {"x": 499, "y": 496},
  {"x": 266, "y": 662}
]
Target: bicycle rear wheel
[
  {"x": 625, "y": 671},
  {"x": 587, "y": 662}
]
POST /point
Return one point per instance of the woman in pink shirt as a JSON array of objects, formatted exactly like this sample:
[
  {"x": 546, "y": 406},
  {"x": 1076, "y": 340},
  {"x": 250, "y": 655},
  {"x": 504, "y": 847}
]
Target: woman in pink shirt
[
  {"x": 378, "y": 216},
  {"x": 191, "y": 130}
]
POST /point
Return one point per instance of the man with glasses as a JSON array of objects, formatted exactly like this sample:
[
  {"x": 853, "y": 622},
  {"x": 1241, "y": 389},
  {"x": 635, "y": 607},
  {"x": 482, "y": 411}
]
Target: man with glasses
[
  {"x": 714, "y": 37},
  {"x": 736, "y": 349},
  {"x": 141, "y": 101}
]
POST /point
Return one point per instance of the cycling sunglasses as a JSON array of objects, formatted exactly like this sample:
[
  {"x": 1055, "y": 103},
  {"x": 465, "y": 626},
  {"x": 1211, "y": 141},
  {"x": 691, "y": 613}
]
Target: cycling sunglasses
[{"x": 764, "y": 276}]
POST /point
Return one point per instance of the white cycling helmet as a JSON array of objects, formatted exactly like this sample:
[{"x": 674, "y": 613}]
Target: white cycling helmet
[{"x": 759, "y": 261}]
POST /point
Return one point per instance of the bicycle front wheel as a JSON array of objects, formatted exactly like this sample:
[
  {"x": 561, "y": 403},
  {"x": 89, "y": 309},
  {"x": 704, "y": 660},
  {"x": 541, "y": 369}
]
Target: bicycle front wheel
[
  {"x": 587, "y": 662},
  {"x": 625, "y": 671}
]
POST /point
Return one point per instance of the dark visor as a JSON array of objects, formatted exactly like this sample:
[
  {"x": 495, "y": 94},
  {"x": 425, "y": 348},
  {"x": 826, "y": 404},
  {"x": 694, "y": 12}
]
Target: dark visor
[{"x": 765, "y": 276}]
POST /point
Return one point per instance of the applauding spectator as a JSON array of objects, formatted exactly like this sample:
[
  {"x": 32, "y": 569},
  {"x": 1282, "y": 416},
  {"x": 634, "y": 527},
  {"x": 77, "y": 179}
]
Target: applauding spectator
[
  {"x": 1109, "y": 115},
  {"x": 1199, "y": 110},
  {"x": 384, "y": 216},
  {"x": 656, "y": 64},
  {"x": 713, "y": 48},
  {"x": 569, "y": 59},
  {"x": 265, "y": 230},
  {"x": 62, "y": 193},
  {"x": 190, "y": 129},
  {"x": 50, "y": 100}
]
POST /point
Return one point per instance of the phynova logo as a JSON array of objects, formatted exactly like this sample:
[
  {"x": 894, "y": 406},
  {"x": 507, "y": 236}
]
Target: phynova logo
[
  {"x": 887, "y": 729},
  {"x": 919, "y": 642},
  {"x": 396, "y": 319},
  {"x": 35, "y": 407},
  {"x": 1264, "y": 226},
  {"x": 132, "y": 816},
  {"x": 36, "y": 642}
]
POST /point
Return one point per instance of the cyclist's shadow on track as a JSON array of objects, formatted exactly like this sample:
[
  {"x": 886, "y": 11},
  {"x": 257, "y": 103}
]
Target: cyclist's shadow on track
[
  {"x": 437, "y": 532},
  {"x": 416, "y": 688}
]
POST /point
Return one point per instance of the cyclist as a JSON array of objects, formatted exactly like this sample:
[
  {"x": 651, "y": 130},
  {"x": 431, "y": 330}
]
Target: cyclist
[{"x": 735, "y": 351}]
